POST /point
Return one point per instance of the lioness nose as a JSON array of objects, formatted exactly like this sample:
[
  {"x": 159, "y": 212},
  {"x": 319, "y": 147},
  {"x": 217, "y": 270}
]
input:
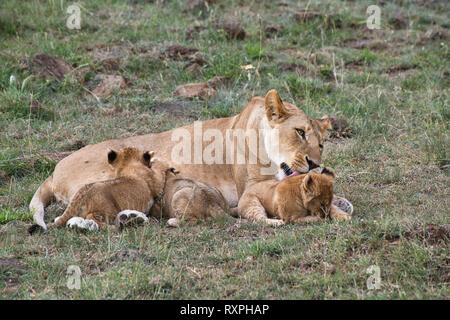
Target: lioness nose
[{"x": 311, "y": 164}]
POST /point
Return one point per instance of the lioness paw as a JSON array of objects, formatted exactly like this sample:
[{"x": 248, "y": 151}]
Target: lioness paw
[
  {"x": 173, "y": 222},
  {"x": 82, "y": 224},
  {"x": 343, "y": 204},
  {"x": 130, "y": 218}
]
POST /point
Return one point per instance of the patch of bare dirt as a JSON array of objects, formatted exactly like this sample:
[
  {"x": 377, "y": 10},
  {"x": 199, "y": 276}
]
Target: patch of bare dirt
[
  {"x": 179, "y": 52},
  {"x": 191, "y": 31},
  {"x": 218, "y": 82},
  {"x": 175, "y": 108},
  {"x": 304, "y": 15},
  {"x": 291, "y": 66},
  {"x": 195, "y": 64},
  {"x": 340, "y": 128},
  {"x": 107, "y": 83},
  {"x": 400, "y": 68},
  {"x": 273, "y": 30},
  {"x": 399, "y": 21},
  {"x": 195, "y": 90},
  {"x": 366, "y": 44},
  {"x": 233, "y": 30},
  {"x": 109, "y": 57},
  {"x": 11, "y": 269},
  {"x": 439, "y": 34},
  {"x": 46, "y": 66}
]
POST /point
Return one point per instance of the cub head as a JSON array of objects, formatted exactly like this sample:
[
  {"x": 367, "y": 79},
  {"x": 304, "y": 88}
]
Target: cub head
[
  {"x": 299, "y": 144},
  {"x": 317, "y": 190},
  {"x": 130, "y": 161}
]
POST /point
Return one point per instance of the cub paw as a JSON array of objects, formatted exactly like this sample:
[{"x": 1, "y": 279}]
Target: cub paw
[
  {"x": 130, "y": 218},
  {"x": 82, "y": 224},
  {"x": 275, "y": 222}
]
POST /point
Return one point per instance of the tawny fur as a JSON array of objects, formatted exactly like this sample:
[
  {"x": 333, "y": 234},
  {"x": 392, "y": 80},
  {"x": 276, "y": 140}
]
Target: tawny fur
[
  {"x": 263, "y": 115},
  {"x": 189, "y": 200},
  {"x": 299, "y": 199},
  {"x": 134, "y": 188}
]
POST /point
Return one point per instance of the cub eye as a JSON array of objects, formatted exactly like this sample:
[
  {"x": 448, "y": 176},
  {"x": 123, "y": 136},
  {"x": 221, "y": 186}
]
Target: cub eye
[
  {"x": 320, "y": 146},
  {"x": 301, "y": 133}
]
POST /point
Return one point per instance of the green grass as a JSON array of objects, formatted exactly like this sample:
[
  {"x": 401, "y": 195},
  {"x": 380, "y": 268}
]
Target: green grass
[{"x": 394, "y": 168}]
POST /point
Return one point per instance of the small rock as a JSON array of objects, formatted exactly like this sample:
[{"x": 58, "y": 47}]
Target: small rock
[
  {"x": 107, "y": 84},
  {"x": 195, "y": 90},
  {"x": 218, "y": 82},
  {"x": 49, "y": 67}
]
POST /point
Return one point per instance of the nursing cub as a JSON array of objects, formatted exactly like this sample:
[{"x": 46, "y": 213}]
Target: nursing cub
[
  {"x": 295, "y": 199},
  {"x": 131, "y": 193},
  {"x": 188, "y": 200},
  {"x": 142, "y": 185}
]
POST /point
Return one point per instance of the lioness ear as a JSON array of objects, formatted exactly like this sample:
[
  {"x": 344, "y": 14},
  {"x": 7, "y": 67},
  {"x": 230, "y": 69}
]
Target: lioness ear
[
  {"x": 148, "y": 155},
  {"x": 112, "y": 156},
  {"x": 329, "y": 172},
  {"x": 275, "y": 109},
  {"x": 324, "y": 124},
  {"x": 174, "y": 171}
]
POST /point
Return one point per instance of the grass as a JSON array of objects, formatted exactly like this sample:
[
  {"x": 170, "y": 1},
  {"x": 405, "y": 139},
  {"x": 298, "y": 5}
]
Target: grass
[{"x": 394, "y": 168}]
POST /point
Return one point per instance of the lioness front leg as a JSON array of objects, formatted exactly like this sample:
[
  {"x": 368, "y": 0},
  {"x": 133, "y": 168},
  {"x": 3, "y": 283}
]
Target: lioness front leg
[{"x": 337, "y": 214}]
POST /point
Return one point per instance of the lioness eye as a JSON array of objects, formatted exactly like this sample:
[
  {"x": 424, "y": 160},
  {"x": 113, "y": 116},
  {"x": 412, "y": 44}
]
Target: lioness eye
[
  {"x": 301, "y": 132},
  {"x": 321, "y": 146}
]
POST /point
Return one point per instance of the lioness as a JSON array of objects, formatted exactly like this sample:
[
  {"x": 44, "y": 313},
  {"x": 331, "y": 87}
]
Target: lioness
[
  {"x": 284, "y": 133},
  {"x": 296, "y": 199},
  {"x": 131, "y": 193}
]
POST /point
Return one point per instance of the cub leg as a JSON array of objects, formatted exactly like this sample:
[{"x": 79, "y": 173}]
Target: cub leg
[
  {"x": 337, "y": 214},
  {"x": 307, "y": 219},
  {"x": 254, "y": 210}
]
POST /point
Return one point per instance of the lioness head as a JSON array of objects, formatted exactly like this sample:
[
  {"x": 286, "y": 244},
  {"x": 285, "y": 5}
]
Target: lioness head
[
  {"x": 317, "y": 190},
  {"x": 130, "y": 161},
  {"x": 299, "y": 144}
]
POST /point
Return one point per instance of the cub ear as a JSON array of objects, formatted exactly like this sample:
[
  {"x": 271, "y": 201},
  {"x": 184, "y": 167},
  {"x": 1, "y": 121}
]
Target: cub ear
[
  {"x": 174, "y": 171},
  {"x": 329, "y": 172},
  {"x": 112, "y": 156},
  {"x": 308, "y": 183},
  {"x": 324, "y": 124},
  {"x": 275, "y": 110},
  {"x": 148, "y": 157}
]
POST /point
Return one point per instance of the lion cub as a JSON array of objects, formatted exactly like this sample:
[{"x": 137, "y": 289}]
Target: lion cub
[
  {"x": 296, "y": 199},
  {"x": 130, "y": 193},
  {"x": 186, "y": 199}
]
